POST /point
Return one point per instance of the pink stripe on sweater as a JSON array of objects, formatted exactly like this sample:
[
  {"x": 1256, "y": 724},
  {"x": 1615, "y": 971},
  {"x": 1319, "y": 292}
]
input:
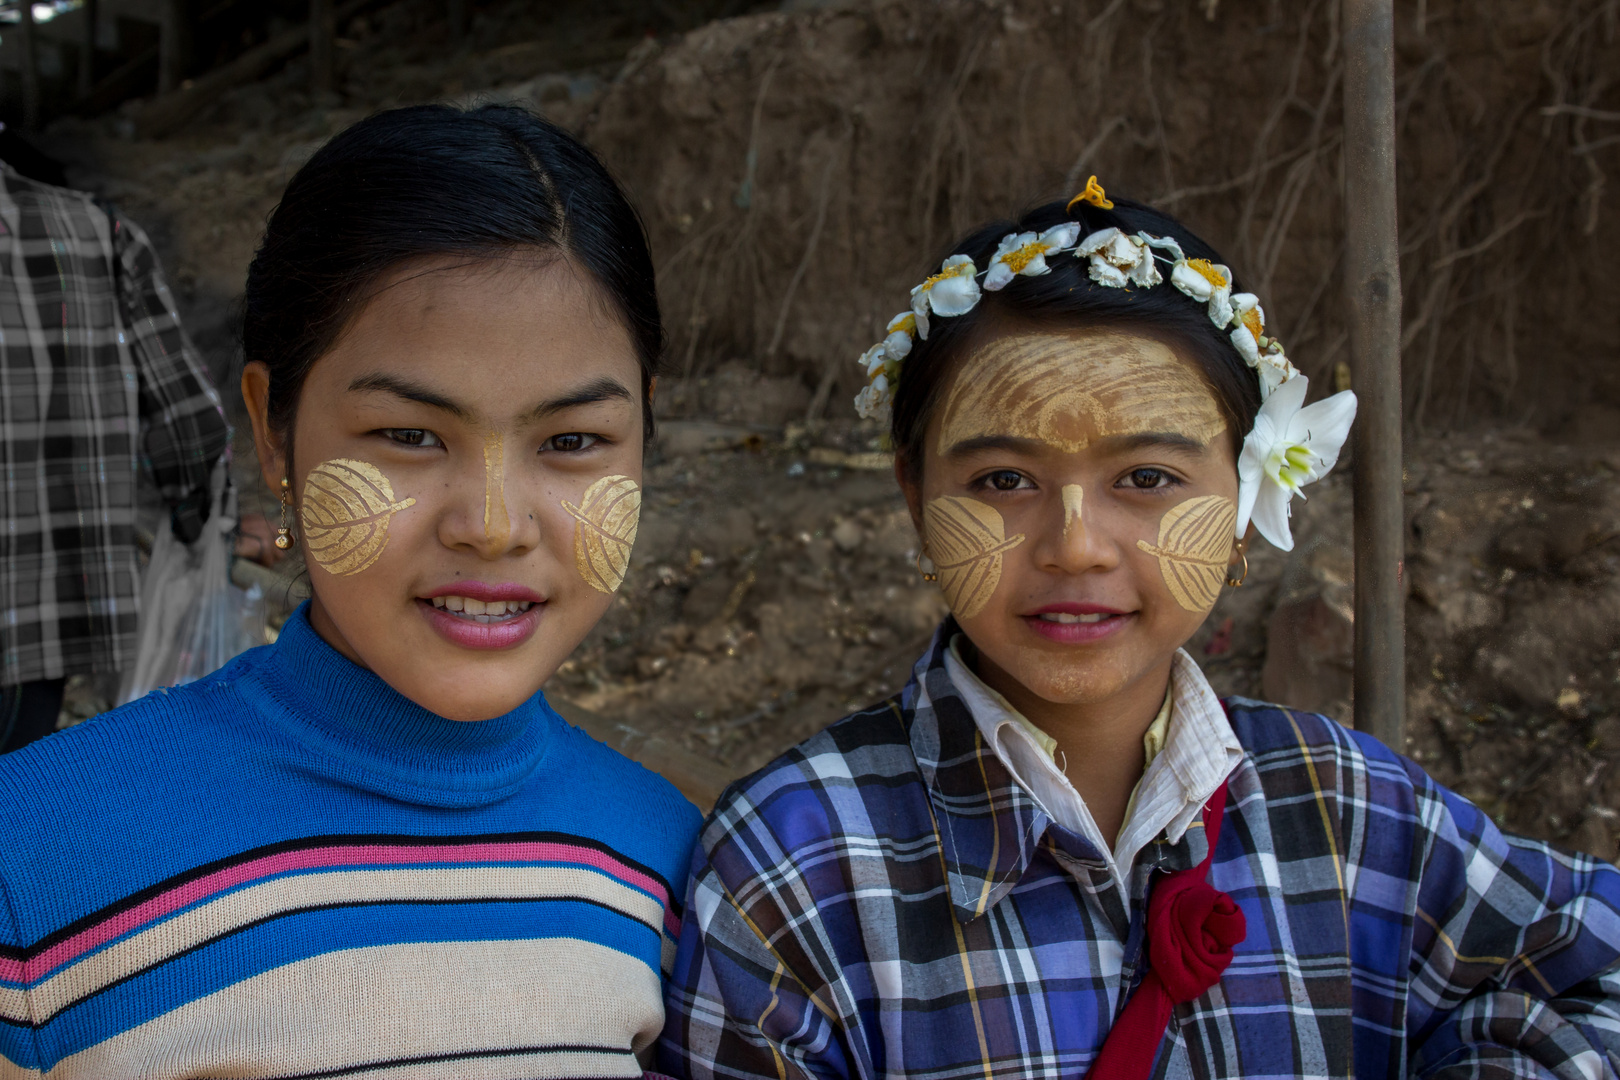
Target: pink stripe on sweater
[{"x": 345, "y": 856}]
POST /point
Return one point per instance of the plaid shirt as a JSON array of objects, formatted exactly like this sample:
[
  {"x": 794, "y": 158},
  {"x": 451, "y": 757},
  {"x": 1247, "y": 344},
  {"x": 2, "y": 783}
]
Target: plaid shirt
[
  {"x": 94, "y": 371},
  {"x": 884, "y": 900}
]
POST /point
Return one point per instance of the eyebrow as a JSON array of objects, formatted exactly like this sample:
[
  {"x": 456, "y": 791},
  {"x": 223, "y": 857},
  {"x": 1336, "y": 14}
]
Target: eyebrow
[
  {"x": 1010, "y": 443},
  {"x": 593, "y": 392},
  {"x": 1114, "y": 443},
  {"x": 1168, "y": 439},
  {"x": 598, "y": 390},
  {"x": 410, "y": 391}
]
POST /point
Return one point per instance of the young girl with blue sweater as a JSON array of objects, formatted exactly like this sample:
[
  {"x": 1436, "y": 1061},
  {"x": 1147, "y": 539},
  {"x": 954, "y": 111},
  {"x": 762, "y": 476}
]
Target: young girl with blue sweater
[
  {"x": 372, "y": 849},
  {"x": 1056, "y": 853}
]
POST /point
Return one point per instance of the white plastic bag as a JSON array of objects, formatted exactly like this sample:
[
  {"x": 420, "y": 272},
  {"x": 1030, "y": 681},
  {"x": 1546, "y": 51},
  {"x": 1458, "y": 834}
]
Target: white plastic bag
[{"x": 193, "y": 619}]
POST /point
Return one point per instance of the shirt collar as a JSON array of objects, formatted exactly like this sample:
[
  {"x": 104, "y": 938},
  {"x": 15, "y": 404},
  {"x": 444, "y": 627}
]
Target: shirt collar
[
  {"x": 990, "y": 826},
  {"x": 370, "y": 735}
]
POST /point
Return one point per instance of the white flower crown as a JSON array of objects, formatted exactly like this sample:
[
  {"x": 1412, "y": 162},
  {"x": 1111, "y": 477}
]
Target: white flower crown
[{"x": 1291, "y": 444}]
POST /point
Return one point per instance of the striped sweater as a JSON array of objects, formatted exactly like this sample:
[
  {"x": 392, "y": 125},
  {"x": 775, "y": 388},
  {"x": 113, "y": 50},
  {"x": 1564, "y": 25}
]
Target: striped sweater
[{"x": 288, "y": 869}]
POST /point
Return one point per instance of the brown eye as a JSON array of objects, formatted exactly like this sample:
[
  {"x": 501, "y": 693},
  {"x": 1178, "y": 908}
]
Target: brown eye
[
  {"x": 1149, "y": 478},
  {"x": 1005, "y": 480},
  {"x": 412, "y": 437},
  {"x": 571, "y": 443}
]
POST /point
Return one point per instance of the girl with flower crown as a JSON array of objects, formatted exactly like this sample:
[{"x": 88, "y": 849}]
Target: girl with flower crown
[{"x": 1056, "y": 853}]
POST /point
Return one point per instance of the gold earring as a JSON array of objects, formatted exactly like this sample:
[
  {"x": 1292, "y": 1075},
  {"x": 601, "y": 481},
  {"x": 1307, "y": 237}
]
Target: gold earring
[
  {"x": 928, "y": 574},
  {"x": 1243, "y": 554},
  {"x": 284, "y": 531}
]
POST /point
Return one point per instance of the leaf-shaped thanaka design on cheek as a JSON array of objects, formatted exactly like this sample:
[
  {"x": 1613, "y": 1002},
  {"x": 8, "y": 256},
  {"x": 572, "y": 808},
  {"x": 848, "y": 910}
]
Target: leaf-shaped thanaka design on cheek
[
  {"x": 605, "y": 524},
  {"x": 1195, "y": 544},
  {"x": 966, "y": 540},
  {"x": 346, "y": 508}
]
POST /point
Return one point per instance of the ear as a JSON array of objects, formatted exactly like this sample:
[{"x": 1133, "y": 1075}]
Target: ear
[
  {"x": 911, "y": 491},
  {"x": 256, "y": 395}
]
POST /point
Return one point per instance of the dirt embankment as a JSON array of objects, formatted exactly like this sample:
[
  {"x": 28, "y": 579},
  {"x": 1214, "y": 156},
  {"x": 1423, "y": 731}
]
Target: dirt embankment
[{"x": 799, "y": 172}]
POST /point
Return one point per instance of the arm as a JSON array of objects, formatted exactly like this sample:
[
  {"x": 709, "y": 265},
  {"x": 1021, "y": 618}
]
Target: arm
[
  {"x": 183, "y": 428},
  {"x": 1514, "y": 952},
  {"x": 732, "y": 1007}
]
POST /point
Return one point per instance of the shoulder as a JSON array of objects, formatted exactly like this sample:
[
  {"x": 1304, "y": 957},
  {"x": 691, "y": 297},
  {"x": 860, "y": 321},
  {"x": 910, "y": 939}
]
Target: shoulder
[
  {"x": 857, "y": 779},
  {"x": 94, "y": 812},
  {"x": 1384, "y": 808},
  {"x": 1278, "y": 739},
  {"x": 159, "y": 735},
  {"x": 22, "y": 189},
  {"x": 635, "y": 810}
]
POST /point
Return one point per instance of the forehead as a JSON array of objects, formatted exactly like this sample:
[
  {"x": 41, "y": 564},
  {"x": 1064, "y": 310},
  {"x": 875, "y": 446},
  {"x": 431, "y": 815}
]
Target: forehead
[
  {"x": 494, "y": 333},
  {"x": 1070, "y": 389}
]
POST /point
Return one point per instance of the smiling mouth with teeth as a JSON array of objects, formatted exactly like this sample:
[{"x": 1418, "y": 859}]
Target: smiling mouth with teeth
[
  {"x": 1060, "y": 617},
  {"x": 479, "y": 610}
]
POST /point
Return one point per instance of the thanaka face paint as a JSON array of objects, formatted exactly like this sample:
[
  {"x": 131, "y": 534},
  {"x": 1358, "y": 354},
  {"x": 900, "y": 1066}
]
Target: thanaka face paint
[
  {"x": 966, "y": 541},
  {"x": 1068, "y": 390},
  {"x": 1074, "y": 497},
  {"x": 605, "y": 524},
  {"x": 345, "y": 511},
  {"x": 497, "y": 523},
  {"x": 1194, "y": 548}
]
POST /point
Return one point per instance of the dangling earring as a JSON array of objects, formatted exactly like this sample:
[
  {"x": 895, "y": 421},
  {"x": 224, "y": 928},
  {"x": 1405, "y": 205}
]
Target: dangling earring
[
  {"x": 928, "y": 574},
  {"x": 284, "y": 538},
  {"x": 1241, "y": 547}
]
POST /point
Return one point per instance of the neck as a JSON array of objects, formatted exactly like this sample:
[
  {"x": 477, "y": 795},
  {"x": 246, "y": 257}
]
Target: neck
[{"x": 1099, "y": 742}]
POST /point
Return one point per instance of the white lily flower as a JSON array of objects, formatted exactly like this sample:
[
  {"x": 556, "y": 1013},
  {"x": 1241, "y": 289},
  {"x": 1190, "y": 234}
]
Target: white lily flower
[
  {"x": 1025, "y": 254},
  {"x": 952, "y": 291},
  {"x": 1118, "y": 259},
  {"x": 1292, "y": 444},
  {"x": 1250, "y": 320},
  {"x": 1208, "y": 283}
]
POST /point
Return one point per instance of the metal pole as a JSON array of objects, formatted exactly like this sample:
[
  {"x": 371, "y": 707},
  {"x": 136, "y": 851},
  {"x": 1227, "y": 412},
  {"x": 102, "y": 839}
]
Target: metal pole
[
  {"x": 1373, "y": 283},
  {"x": 322, "y": 32}
]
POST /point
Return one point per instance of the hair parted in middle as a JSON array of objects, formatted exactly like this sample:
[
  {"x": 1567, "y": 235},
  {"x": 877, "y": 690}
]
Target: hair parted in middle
[
  {"x": 428, "y": 181},
  {"x": 1067, "y": 298}
]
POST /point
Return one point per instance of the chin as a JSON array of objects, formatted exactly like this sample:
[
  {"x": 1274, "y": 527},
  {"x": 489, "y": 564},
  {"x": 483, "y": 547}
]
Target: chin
[
  {"x": 452, "y": 700},
  {"x": 1078, "y": 682}
]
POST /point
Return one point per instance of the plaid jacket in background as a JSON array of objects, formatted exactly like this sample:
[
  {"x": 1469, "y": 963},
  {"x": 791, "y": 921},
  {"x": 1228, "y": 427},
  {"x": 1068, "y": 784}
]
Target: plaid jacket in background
[
  {"x": 94, "y": 373},
  {"x": 884, "y": 901}
]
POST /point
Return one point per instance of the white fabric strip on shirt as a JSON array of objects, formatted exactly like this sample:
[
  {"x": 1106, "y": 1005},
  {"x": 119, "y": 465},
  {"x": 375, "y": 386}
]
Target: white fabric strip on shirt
[{"x": 1200, "y": 752}]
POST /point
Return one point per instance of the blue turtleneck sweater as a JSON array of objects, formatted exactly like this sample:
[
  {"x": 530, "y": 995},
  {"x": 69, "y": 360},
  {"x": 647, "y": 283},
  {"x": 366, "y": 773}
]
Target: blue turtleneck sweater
[{"x": 289, "y": 869}]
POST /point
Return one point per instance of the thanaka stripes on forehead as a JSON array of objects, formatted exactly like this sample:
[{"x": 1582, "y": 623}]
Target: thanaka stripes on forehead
[{"x": 1070, "y": 390}]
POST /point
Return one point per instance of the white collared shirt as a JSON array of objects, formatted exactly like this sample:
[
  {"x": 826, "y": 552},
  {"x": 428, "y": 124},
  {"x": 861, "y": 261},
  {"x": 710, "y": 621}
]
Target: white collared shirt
[{"x": 1200, "y": 751}]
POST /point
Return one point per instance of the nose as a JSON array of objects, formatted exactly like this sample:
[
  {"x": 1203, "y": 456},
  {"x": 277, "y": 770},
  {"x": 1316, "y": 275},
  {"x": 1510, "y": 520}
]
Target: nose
[
  {"x": 497, "y": 522},
  {"x": 481, "y": 519},
  {"x": 1079, "y": 545}
]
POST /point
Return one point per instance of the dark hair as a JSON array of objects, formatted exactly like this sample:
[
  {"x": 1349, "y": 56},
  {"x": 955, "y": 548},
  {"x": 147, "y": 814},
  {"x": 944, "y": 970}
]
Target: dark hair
[
  {"x": 1067, "y": 297},
  {"x": 427, "y": 181}
]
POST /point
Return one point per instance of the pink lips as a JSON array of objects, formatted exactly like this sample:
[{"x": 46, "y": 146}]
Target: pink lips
[
  {"x": 509, "y": 632},
  {"x": 1078, "y": 633}
]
